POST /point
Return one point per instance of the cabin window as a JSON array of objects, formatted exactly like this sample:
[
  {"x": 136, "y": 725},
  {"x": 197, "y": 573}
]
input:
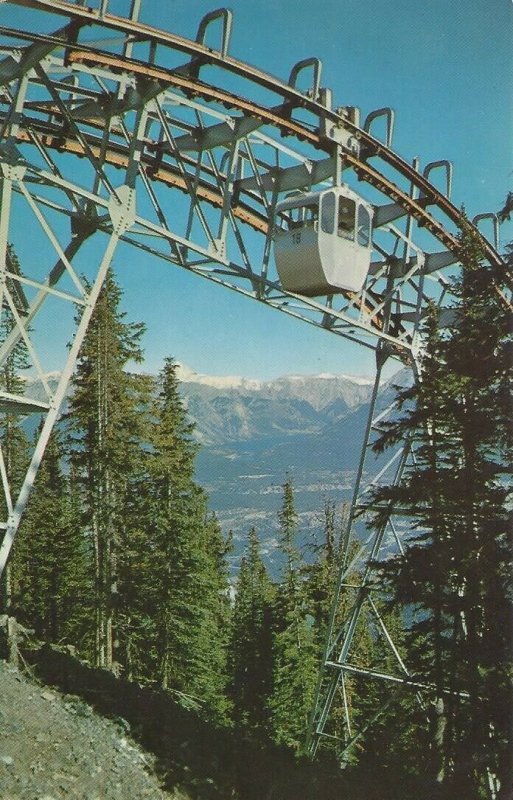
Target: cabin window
[
  {"x": 363, "y": 226},
  {"x": 346, "y": 217},
  {"x": 328, "y": 213}
]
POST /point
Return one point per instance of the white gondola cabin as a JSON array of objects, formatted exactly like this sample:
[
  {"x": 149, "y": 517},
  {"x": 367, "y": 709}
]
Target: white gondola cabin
[{"x": 323, "y": 241}]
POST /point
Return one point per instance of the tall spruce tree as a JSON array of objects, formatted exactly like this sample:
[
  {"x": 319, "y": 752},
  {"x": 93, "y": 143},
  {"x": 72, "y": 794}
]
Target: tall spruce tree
[
  {"x": 107, "y": 434},
  {"x": 15, "y": 450},
  {"x": 294, "y": 650},
  {"x": 136, "y": 586},
  {"x": 53, "y": 591},
  {"x": 13, "y": 439},
  {"x": 453, "y": 584},
  {"x": 323, "y": 573},
  {"x": 251, "y": 642},
  {"x": 216, "y": 622},
  {"x": 187, "y": 569}
]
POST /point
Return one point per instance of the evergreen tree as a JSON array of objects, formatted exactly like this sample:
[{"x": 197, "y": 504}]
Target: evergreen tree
[
  {"x": 136, "y": 585},
  {"x": 453, "y": 584},
  {"x": 14, "y": 442},
  {"x": 52, "y": 587},
  {"x": 324, "y": 572},
  {"x": 76, "y": 596},
  {"x": 331, "y": 605},
  {"x": 505, "y": 212},
  {"x": 294, "y": 650},
  {"x": 187, "y": 569},
  {"x": 15, "y": 451},
  {"x": 251, "y": 642},
  {"x": 107, "y": 434},
  {"x": 213, "y": 677}
]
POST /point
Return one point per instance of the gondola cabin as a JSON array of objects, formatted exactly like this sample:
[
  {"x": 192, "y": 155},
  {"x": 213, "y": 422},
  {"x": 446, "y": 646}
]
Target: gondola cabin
[{"x": 323, "y": 242}]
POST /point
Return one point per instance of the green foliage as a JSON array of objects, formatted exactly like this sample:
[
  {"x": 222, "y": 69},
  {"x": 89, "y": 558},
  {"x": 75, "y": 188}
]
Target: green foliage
[
  {"x": 107, "y": 429},
  {"x": 332, "y": 605},
  {"x": 454, "y": 583},
  {"x": 294, "y": 646},
  {"x": 51, "y": 585},
  {"x": 324, "y": 572},
  {"x": 188, "y": 585},
  {"x": 251, "y": 642},
  {"x": 293, "y": 680},
  {"x": 13, "y": 441}
]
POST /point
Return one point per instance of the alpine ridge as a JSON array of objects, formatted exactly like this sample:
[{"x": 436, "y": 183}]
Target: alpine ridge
[{"x": 254, "y": 433}]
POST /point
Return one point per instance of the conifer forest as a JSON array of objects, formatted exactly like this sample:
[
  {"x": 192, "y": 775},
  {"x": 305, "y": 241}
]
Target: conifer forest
[{"x": 120, "y": 558}]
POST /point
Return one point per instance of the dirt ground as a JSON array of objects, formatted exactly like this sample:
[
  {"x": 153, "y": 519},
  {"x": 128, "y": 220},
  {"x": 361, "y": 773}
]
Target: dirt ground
[{"x": 54, "y": 746}]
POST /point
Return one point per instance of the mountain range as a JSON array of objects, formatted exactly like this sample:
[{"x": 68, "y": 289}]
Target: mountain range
[
  {"x": 227, "y": 409},
  {"x": 256, "y": 434}
]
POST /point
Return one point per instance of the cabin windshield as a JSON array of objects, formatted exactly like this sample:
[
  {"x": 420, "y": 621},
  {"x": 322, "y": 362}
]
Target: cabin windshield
[
  {"x": 346, "y": 218},
  {"x": 363, "y": 226}
]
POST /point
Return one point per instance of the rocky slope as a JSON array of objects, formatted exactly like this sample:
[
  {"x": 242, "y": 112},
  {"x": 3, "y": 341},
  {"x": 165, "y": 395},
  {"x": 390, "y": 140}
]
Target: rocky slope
[
  {"x": 54, "y": 747},
  {"x": 67, "y": 736}
]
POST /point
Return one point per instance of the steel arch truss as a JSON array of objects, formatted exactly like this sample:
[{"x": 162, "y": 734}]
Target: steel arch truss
[{"x": 114, "y": 133}]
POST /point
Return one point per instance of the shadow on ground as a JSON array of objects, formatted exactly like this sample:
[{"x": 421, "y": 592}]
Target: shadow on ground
[{"x": 197, "y": 758}]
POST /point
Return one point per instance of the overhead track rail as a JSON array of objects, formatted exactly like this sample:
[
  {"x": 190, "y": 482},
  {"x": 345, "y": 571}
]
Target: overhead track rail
[{"x": 291, "y": 96}]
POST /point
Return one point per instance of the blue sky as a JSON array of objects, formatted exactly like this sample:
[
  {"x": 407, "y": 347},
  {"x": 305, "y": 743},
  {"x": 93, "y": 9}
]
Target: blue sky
[{"x": 446, "y": 69}]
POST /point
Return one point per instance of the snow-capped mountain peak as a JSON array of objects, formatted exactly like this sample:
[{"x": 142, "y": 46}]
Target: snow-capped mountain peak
[{"x": 187, "y": 375}]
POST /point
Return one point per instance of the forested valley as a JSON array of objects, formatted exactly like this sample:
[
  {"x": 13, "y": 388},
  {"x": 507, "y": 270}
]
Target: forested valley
[{"x": 120, "y": 558}]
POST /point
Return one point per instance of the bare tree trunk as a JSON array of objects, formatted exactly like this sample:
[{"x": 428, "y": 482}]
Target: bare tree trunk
[{"x": 440, "y": 725}]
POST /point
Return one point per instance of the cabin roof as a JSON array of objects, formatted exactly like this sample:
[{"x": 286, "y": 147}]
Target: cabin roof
[{"x": 302, "y": 199}]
